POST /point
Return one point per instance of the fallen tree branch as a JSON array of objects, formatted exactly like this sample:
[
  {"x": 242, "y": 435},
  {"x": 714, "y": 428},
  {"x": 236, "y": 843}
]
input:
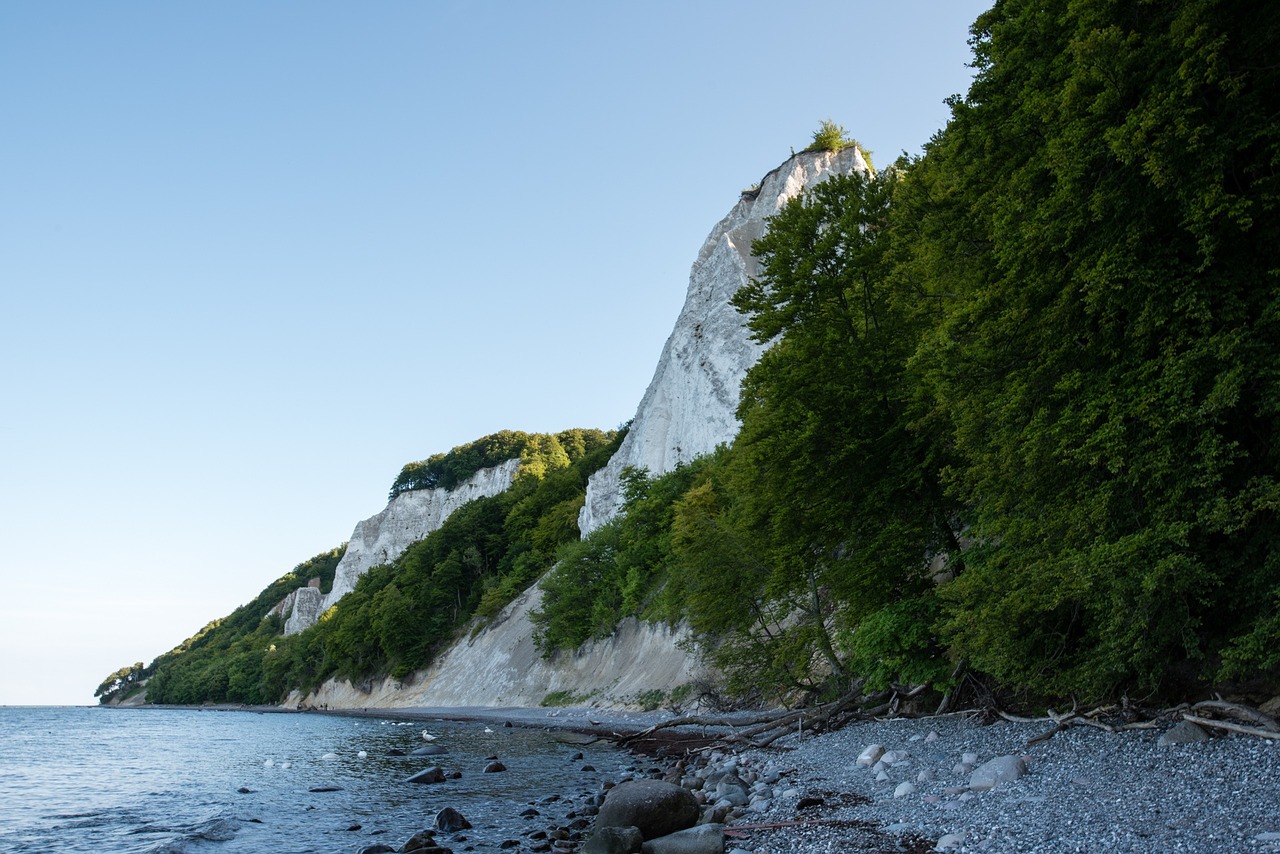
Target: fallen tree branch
[
  {"x": 1230, "y": 727},
  {"x": 1240, "y": 712}
]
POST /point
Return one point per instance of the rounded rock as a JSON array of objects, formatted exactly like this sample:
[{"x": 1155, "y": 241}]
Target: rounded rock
[{"x": 655, "y": 807}]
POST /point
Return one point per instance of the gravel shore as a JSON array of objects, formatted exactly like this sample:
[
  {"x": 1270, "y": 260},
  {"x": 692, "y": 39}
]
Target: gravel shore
[{"x": 1085, "y": 790}]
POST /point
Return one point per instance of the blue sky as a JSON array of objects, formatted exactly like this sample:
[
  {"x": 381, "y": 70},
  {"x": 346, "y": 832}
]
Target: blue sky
[{"x": 255, "y": 256}]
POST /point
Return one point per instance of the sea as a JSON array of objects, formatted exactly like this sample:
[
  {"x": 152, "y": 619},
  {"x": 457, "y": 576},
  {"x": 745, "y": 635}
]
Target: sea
[{"x": 171, "y": 781}]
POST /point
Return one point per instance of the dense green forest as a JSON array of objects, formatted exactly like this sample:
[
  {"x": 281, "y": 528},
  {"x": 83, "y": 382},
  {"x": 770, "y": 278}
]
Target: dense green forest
[
  {"x": 1018, "y": 418},
  {"x": 1021, "y": 412}
]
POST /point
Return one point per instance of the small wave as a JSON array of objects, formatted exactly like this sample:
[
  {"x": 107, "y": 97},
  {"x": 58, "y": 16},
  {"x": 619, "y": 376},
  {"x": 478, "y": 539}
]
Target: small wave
[{"x": 220, "y": 829}]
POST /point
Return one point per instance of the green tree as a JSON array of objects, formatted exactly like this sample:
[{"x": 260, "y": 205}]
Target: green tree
[
  {"x": 1108, "y": 364},
  {"x": 828, "y": 467}
]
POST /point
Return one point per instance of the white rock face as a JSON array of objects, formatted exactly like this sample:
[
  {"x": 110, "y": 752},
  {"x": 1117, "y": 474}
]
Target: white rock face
[
  {"x": 382, "y": 538},
  {"x": 301, "y": 607},
  {"x": 691, "y": 404},
  {"x": 500, "y": 666}
]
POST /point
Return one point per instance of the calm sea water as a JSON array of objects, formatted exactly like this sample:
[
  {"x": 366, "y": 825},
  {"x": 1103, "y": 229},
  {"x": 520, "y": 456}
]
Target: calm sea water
[{"x": 75, "y": 779}]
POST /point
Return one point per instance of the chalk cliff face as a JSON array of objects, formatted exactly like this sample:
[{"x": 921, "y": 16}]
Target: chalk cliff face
[
  {"x": 691, "y": 404},
  {"x": 501, "y": 666},
  {"x": 382, "y": 538},
  {"x": 688, "y": 409}
]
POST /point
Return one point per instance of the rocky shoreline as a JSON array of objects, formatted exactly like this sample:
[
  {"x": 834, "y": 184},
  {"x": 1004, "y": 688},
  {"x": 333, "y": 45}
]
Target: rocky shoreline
[
  {"x": 946, "y": 783},
  {"x": 1081, "y": 790},
  {"x": 952, "y": 784}
]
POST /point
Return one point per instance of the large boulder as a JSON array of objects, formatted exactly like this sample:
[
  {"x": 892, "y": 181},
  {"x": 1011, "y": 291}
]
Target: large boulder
[
  {"x": 429, "y": 750},
  {"x": 430, "y": 775},
  {"x": 654, "y": 807},
  {"x": 449, "y": 820},
  {"x": 1002, "y": 769}
]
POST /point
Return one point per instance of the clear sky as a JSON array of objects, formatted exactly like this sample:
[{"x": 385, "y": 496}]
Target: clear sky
[{"x": 256, "y": 255}]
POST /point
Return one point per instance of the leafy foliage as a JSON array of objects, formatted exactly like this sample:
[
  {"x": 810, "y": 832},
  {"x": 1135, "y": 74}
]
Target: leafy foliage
[
  {"x": 446, "y": 471},
  {"x": 1043, "y": 356},
  {"x": 830, "y": 137}
]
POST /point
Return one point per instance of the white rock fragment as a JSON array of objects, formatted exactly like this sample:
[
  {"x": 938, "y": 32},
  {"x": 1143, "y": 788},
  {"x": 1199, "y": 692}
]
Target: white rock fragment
[
  {"x": 949, "y": 842},
  {"x": 931, "y": 737},
  {"x": 904, "y": 789},
  {"x": 969, "y": 758},
  {"x": 1002, "y": 769},
  {"x": 871, "y": 755}
]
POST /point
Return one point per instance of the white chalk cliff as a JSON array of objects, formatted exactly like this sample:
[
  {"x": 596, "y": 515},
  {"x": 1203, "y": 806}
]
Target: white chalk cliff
[
  {"x": 500, "y": 666},
  {"x": 689, "y": 408},
  {"x": 380, "y": 539},
  {"x": 691, "y": 404}
]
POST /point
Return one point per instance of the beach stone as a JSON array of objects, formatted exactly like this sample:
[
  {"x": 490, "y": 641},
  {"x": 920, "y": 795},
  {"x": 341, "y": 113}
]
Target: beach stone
[
  {"x": 614, "y": 840},
  {"x": 925, "y": 776},
  {"x": 703, "y": 839},
  {"x": 494, "y": 767},
  {"x": 1002, "y": 769},
  {"x": 449, "y": 820},
  {"x": 931, "y": 737},
  {"x": 1183, "y": 732},
  {"x": 893, "y": 757},
  {"x": 969, "y": 758},
  {"x": 951, "y": 840},
  {"x": 732, "y": 790},
  {"x": 434, "y": 774},
  {"x": 422, "y": 843},
  {"x": 882, "y": 777},
  {"x": 904, "y": 789},
  {"x": 871, "y": 755},
  {"x": 429, "y": 750},
  {"x": 655, "y": 807}
]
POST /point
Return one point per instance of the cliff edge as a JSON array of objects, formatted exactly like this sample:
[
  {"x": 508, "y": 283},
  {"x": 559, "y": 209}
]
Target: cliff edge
[{"x": 691, "y": 403}]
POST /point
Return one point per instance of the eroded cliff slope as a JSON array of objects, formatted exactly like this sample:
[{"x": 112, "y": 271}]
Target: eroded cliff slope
[{"x": 691, "y": 403}]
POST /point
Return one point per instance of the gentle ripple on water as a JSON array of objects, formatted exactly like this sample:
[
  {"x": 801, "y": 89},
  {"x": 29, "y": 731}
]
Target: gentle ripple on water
[{"x": 76, "y": 779}]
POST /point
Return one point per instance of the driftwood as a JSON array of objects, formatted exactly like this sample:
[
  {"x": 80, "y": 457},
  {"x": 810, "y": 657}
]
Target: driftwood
[
  {"x": 1266, "y": 726},
  {"x": 1230, "y": 727},
  {"x": 1239, "y": 712},
  {"x": 762, "y": 730}
]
